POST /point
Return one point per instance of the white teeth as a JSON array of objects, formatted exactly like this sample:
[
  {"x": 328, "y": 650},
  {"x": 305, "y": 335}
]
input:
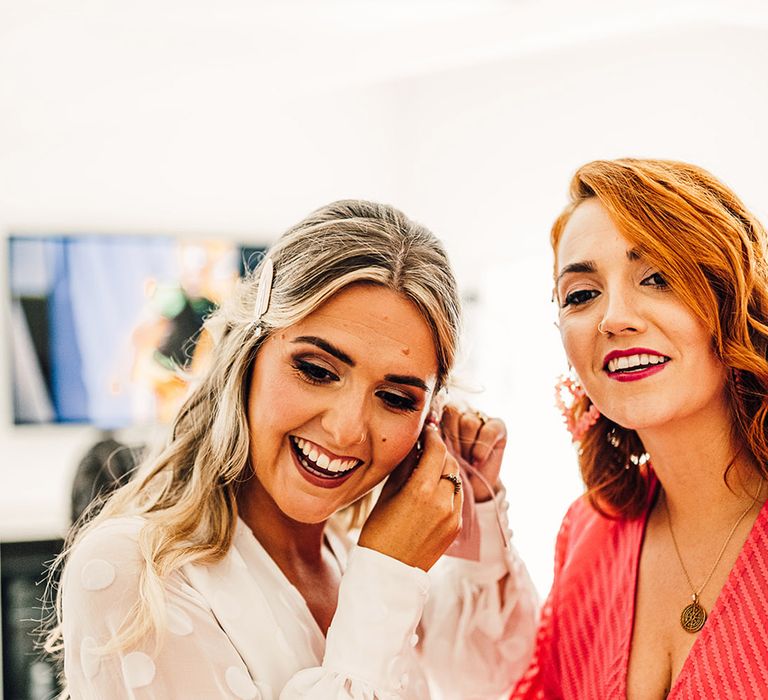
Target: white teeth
[
  {"x": 336, "y": 465},
  {"x": 635, "y": 361},
  {"x": 321, "y": 460}
]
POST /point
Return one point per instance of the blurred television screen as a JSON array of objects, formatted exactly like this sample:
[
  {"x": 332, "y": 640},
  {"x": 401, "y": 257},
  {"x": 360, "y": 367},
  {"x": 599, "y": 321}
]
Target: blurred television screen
[{"x": 101, "y": 325}]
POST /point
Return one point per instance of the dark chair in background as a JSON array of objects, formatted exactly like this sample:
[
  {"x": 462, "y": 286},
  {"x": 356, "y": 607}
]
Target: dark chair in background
[{"x": 27, "y": 673}]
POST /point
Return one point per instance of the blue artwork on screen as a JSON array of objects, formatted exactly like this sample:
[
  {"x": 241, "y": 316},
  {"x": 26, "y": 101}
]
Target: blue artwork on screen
[{"x": 102, "y": 324}]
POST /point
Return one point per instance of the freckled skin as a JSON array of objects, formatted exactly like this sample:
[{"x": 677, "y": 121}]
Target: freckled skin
[{"x": 638, "y": 315}]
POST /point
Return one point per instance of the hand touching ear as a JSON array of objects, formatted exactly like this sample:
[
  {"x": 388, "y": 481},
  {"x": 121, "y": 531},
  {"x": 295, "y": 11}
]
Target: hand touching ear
[{"x": 418, "y": 514}]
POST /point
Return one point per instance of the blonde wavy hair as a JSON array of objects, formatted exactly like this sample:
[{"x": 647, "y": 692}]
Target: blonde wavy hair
[
  {"x": 187, "y": 495},
  {"x": 712, "y": 252}
]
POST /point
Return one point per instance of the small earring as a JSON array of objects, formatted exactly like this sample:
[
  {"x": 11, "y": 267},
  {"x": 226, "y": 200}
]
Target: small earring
[
  {"x": 569, "y": 395},
  {"x": 738, "y": 383}
]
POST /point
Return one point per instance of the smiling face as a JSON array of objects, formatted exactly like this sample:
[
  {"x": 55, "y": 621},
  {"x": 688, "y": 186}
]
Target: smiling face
[
  {"x": 338, "y": 400},
  {"x": 653, "y": 361}
]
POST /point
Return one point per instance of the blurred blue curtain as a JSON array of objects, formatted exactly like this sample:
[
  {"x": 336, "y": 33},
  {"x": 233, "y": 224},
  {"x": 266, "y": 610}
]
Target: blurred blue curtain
[{"x": 97, "y": 299}]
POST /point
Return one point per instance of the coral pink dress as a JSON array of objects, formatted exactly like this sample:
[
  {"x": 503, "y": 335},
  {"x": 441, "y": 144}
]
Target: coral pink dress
[{"x": 583, "y": 642}]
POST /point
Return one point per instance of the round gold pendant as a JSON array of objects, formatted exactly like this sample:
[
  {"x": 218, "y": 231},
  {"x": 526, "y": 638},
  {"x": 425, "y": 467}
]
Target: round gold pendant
[{"x": 693, "y": 616}]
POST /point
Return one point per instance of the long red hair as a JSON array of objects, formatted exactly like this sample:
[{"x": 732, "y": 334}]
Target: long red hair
[{"x": 712, "y": 252}]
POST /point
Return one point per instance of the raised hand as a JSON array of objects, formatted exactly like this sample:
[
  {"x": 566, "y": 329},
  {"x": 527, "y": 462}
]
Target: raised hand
[
  {"x": 477, "y": 442},
  {"x": 418, "y": 514}
]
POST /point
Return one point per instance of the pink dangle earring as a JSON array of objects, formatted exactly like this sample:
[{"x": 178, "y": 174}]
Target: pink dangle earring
[{"x": 569, "y": 396}]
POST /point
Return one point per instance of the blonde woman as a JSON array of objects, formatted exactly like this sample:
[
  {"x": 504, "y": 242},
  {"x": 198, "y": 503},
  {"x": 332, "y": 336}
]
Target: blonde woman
[{"x": 222, "y": 571}]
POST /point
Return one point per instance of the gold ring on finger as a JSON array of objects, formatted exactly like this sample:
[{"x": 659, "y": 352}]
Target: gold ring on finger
[
  {"x": 455, "y": 479},
  {"x": 481, "y": 417}
]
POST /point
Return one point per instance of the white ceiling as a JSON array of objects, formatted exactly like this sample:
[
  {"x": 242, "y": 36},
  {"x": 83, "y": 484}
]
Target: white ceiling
[{"x": 304, "y": 47}]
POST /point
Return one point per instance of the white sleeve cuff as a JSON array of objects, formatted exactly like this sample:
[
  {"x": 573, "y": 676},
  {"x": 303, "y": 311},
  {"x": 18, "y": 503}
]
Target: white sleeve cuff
[{"x": 381, "y": 601}]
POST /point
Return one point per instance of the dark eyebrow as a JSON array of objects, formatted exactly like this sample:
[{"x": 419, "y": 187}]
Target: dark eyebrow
[
  {"x": 586, "y": 266},
  {"x": 325, "y": 345},
  {"x": 633, "y": 254},
  {"x": 406, "y": 379}
]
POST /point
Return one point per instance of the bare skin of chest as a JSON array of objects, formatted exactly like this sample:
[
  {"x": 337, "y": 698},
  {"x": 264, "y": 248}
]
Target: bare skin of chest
[
  {"x": 320, "y": 590},
  {"x": 660, "y": 646}
]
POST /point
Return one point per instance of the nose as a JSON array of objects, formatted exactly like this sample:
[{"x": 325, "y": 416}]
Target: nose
[
  {"x": 622, "y": 315},
  {"x": 346, "y": 421}
]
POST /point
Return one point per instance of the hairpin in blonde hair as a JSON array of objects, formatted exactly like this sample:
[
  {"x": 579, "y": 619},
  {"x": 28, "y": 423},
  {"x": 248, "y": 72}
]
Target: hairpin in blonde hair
[{"x": 264, "y": 292}]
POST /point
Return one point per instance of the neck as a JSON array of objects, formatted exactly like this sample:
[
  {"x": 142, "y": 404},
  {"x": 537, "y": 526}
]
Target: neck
[
  {"x": 289, "y": 542},
  {"x": 690, "y": 458}
]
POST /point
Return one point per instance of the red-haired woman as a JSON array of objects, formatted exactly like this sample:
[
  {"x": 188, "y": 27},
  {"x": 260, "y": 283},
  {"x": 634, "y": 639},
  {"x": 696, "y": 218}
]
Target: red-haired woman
[{"x": 661, "y": 574}]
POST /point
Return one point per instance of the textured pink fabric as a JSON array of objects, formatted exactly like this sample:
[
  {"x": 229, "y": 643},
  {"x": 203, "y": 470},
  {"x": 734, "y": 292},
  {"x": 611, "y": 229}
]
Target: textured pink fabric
[{"x": 582, "y": 648}]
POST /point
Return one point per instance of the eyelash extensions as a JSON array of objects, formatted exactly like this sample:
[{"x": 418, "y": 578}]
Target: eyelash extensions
[{"x": 318, "y": 375}]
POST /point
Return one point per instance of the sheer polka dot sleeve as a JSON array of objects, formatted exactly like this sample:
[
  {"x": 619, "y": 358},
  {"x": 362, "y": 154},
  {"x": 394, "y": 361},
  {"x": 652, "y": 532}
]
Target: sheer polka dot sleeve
[
  {"x": 101, "y": 586},
  {"x": 479, "y": 624}
]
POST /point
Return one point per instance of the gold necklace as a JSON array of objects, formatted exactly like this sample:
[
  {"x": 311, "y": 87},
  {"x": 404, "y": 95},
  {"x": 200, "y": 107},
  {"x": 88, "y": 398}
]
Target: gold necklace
[{"x": 694, "y": 615}]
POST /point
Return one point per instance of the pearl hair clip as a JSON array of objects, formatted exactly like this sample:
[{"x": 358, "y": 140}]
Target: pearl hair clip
[{"x": 265, "y": 289}]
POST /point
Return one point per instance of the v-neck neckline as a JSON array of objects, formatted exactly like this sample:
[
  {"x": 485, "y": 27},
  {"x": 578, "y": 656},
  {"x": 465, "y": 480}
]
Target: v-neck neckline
[
  {"x": 714, "y": 613},
  {"x": 340, "y": 556}
]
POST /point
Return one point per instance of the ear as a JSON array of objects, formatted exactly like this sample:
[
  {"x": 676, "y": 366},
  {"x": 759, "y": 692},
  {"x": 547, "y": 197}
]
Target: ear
[{"x": 437, "y": 405}]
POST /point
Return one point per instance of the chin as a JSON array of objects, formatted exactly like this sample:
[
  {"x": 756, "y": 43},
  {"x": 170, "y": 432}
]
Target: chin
[
  {"x": 314, "y": 519},
  {"x": 639, "y": 422},
  {"x": 308, "y": 513}
]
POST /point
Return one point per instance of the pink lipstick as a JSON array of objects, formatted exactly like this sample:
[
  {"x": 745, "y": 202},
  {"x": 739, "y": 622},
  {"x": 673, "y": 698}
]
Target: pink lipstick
[{"x": 633, "y": 364}]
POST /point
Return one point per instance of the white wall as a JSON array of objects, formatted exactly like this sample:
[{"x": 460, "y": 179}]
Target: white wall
[
  {"x": 470, "y": 116},
  {"x": 120, "y": 124},
  {"x": 490, "y": 153}
]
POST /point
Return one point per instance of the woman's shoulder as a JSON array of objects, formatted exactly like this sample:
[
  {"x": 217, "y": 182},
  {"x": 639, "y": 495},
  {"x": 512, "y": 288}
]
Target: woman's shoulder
[
  {"x": 580, "y": 513},
  {"x": 105, "y": 549},
  {"x": 586, "y": 534},
  {"x": 583, "y": 513},
  {"x": 118, "y": 531}
]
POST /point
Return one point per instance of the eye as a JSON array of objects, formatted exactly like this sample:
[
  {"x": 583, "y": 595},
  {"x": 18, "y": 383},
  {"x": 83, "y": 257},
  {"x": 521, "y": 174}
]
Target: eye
[
  {"x": 314, "y": 373},
  {"x": 654, "y": 280},
  {"x": 399, "y": 402},
  {"x": 580, "y": 296}
]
